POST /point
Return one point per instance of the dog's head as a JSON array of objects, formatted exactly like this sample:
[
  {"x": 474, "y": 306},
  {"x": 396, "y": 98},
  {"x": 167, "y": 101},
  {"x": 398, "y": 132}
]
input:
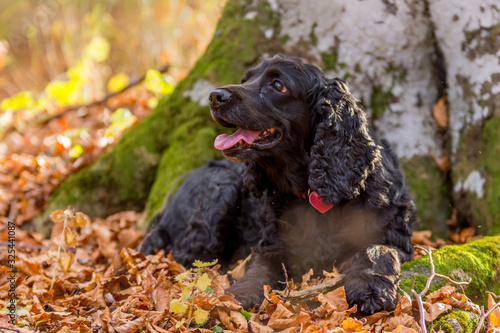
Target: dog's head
[{"x": 287, "y": 109}]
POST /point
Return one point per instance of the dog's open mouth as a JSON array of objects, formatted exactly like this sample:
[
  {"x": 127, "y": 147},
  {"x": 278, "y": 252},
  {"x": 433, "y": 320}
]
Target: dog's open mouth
[{"x": 244, "y": 138}]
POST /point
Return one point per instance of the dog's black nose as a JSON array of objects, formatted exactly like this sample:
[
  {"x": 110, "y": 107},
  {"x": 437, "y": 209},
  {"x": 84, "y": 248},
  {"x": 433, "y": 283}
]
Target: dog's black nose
[{"x": 219, "y": 97}]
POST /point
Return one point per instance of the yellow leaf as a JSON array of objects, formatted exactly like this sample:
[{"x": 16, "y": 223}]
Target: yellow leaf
[
  {"x": 57, "y": 216},
  {"x": 200, "y": 316},
  {"x": 152, "y": 102},
  {"x": 180, "y": 323},
  {"x": 64, "y": 92},
  {"x": 203, "y": 282},
  {"x": 200, "y": 264},
  {"x": 118, "y": 82},
  {"x": 185, "y": 293},
  {"x": 81, "y": 219},
  {"x": 66, "y": 261},
  {"x": 98, "y": 49},
  {"x": 177, "y": 306},
  {"x": 181, "y": 277},
  {"x": 69, "y": 237},
  {"x": 22, "y": 100}
]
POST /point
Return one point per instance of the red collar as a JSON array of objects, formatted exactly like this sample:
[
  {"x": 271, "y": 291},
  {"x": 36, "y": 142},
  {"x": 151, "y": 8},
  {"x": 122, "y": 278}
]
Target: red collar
[{"x": 316, "y": 201}]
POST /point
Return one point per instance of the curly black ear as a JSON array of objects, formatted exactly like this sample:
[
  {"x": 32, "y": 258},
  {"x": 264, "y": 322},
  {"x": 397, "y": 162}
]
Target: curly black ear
[{"x": 343, "y": 153}]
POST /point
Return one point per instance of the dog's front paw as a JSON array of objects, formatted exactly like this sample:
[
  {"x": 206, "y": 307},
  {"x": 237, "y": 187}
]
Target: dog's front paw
[
  {"x": 373, "y": 295},
  {"x": 372, "y": 278}
]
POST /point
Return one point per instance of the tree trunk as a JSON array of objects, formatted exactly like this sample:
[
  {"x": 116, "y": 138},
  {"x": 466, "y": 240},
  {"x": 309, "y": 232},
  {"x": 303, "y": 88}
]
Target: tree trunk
[
  {"x": 394, "y": 54},
  {"x": 469, "y": 36}
]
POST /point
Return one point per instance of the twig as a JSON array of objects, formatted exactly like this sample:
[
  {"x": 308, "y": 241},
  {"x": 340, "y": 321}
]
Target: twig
[
  {"x": 45, "y": 118},
  {"x": 485, "y": 315},
  {"x": 9, "y": 329},
  {"x": 310, "y": 293},
  {"x": 288, "y": 289},
  {"x": 418, "y": 296},
  {"x": 493, "y": 295}
]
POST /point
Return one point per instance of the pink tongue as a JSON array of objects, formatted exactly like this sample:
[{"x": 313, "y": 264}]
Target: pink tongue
[{"x": 224, "y": 141}]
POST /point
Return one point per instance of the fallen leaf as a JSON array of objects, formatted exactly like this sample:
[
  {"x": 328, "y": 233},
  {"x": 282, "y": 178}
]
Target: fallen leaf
[
  {"x": 441, "y": 113},
  {"x": 203, "y": 282},
  {"x": 65, "y": 261},
  {"x": 494, "y": 316},
  {"x": 177, "y": 306},
  {"x": 200, "y": 316},
  {"x": 435, "y": 310},
  {"x": 239, "y": 271}
]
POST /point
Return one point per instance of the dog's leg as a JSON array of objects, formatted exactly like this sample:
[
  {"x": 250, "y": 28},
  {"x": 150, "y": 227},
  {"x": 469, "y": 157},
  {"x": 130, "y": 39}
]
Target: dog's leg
[
  {"x": 199, "y": 221},
  {"x": 371, "y": 279},
  {"x": 265, "y": 268}
]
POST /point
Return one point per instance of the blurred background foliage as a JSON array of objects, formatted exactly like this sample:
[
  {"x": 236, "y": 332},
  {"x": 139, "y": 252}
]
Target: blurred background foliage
[
  {"x": 75, "y": 74},
  {"x": 74, "y": 40}
]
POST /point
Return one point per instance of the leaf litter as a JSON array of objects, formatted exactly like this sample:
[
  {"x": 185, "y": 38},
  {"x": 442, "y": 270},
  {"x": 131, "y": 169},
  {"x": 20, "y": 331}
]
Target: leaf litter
[{"x": 87, "y": 277}]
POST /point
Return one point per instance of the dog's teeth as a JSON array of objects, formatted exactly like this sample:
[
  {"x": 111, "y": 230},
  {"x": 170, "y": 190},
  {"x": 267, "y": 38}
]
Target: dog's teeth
[{"x": 240, "y": 142}]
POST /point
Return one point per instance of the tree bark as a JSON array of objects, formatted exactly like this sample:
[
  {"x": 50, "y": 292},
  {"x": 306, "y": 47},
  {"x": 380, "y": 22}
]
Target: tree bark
[
  {"x": 468, "y": 33},
  {"x": 395, "y": 56}
]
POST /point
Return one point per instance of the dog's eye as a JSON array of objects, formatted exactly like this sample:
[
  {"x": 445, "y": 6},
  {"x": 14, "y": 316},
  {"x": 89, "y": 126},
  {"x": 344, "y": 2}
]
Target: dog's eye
[{"x": 278, "y": 86}]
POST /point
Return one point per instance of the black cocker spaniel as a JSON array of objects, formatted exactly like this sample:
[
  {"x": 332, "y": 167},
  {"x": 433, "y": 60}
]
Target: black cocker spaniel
[{"x": 313, "y": 187}]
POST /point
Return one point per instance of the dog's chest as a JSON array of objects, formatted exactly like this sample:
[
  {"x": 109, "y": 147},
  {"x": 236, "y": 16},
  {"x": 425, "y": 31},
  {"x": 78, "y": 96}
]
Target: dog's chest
[{"x": 316, "y": 240}]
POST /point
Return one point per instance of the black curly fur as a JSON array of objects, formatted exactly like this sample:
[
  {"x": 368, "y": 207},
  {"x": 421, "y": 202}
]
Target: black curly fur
[{"x": 224, "y": 209}]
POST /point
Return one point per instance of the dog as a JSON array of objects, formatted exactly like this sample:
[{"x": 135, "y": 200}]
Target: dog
[{"x": 305, "y": 184}]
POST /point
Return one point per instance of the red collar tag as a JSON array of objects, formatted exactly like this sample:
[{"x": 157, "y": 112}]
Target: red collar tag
[{"x": 316, "y": 201}]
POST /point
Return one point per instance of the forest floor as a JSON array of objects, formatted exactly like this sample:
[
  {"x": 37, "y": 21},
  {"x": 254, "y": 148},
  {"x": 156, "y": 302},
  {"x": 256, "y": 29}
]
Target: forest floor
[{"x": 87, "y": 277}]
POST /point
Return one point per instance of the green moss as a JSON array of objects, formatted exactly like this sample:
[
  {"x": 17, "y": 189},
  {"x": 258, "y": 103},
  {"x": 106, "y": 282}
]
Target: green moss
[
  {"x": 329, "y": 60},
  {"x": 312, "y": 35},
  {"x": 486, "y": 40},
  {"x": 478, "y": 261},
  {"x": 455, "y": 321},
  {"x": 479, "y": 150},
  {"x": 429, "y": 188},
  {"x": 380, "y": 101}
]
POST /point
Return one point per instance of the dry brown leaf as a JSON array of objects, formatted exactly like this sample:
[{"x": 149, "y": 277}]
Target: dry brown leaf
[
  {"x": 404, "y": 329},
  {"x": 65, "y": 261},
  {"x": 306, "y": 278},
  {"x": 240, "y": 322},
  {"x": 404, "y": 305},
  {"x": 462, "y": 302},
  {"x": 130, "y": 326},
  {"x": 259, "y": 328},
  {"x": 81, "y": 220},
  {"x": 494, "y": 317},
  {"x": 353, "y": 325},
  {"x": 338, "y": 299},
  {"x": 403, "y": 320},
  {"x": 239, "y": 271},
  {"x": 435, "y": 310},
  {"x": 69, "y": 237},
  {"x": 291, "y": 322},
  {"x": 440, "y": 294},
  {"x": 376, "y": 317},
  {"x": 57, "y": 216},
  {"x": 225, "y": 319},
  {"x": 443, "y": 163},
  {"x": 94, "y": 297},
  {"x": 441, "y": 113}
]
